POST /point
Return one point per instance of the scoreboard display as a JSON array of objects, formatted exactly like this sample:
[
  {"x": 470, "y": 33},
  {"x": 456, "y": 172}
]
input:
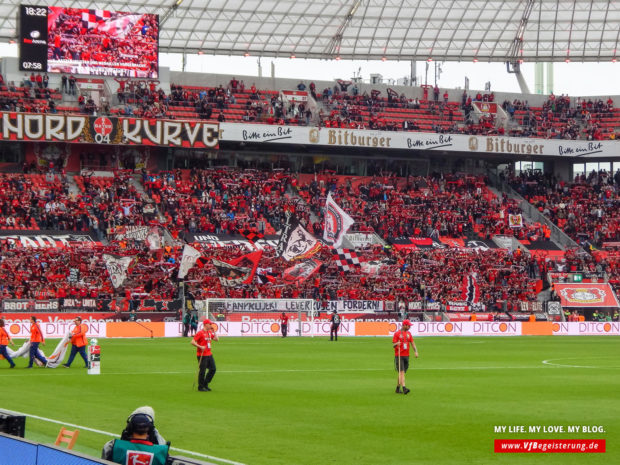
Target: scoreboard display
[
  {"x": 88, "y": 41},
  {"x": 32, "y": 33}
]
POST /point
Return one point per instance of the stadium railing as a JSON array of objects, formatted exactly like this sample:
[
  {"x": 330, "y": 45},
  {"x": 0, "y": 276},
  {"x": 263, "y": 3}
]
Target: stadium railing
[
  {"x": 20, "y": 451},
  {"x": 14, "y": 450}
]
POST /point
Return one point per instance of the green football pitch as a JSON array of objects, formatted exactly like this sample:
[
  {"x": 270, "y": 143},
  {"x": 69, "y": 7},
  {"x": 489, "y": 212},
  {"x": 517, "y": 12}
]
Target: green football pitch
[{"x": 312, "y": 401}]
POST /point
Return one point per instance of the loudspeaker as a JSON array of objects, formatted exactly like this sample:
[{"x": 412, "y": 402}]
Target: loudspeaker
[{"x": 12, "y": 423}]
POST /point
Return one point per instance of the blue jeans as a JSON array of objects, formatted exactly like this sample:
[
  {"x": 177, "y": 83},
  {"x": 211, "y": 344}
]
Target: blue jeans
[
  {"x": 74, "y": 351},
  {"x": 5, "y": 354},
  {"x": 34, "y": 348}
]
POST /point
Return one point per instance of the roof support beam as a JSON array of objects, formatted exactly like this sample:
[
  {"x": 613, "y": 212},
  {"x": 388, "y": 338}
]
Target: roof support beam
[{"x": 333, "y": 49}]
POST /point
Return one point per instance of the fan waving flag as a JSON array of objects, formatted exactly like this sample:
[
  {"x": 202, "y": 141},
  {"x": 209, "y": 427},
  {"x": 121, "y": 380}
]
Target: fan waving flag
[
  {"x": 250, "y": 235},
  {"x": 91, "y": 18},
  {"x": 188, "y": 260},
  {"x": 471, "y": 291},
  {"x": 117, "y": 268},
  {"x": 301, "y": 271},
  {"x": 295, "y": 242},
  {"x": 266, "y": 275},
  {"x": 346, "y": 259},
  {"x": 238, "y": 271},
  {"x": 336, "y": 224},
  {"x": 119, "y": 26},
  {"x": 515, "y": 221}
]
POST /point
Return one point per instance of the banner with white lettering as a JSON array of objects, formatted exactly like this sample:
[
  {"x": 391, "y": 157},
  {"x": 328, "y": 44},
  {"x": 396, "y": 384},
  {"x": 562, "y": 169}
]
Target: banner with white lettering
[
  {"x": 107, "y": 130},
  {"x": 230, "y": 240},
  {"x": 47, "y": 239}
]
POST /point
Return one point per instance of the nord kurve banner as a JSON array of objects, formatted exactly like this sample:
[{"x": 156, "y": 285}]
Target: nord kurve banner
[{"x": 107, "y": 130}]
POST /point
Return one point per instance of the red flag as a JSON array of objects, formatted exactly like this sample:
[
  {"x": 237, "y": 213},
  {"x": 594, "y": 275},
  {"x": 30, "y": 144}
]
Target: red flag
[{"x": 241, "y": 270}]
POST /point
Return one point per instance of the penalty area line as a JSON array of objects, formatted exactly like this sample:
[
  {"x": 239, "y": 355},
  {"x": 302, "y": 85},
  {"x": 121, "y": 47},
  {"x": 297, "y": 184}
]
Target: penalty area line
[{"x": 107, "y": 433}]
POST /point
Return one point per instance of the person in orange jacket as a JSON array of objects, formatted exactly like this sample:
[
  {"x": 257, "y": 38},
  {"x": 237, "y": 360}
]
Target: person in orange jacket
[
  {"x": 78, "y": 342},
  {"x": 36, "y": 338},
  {"x": 5, "y": 340}
]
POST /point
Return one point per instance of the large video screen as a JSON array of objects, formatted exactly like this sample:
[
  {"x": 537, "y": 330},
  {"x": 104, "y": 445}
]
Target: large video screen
[{"x": 86, "y": 41}]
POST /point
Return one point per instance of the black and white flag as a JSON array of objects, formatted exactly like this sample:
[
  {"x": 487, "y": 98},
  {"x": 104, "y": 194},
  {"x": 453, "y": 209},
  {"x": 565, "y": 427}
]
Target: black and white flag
[
  {"x": 295, "y": 241},
  {"x": 336, "y": 223},
  {"x": 117, "y": 268}
]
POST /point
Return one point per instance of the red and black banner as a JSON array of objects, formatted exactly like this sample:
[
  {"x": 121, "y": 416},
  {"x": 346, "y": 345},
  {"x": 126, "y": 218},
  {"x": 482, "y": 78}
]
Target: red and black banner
[{"x": 107, "y": 130}]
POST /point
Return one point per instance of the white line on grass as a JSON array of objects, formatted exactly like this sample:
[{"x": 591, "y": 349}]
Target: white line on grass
[
  {"x": 106, "y": 433},
  {"x": 321, "y": 370},
  {"x": 563, "y": 365}
]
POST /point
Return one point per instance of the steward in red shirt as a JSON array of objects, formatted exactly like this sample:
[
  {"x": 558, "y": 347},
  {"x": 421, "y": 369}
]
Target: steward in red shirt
[
  {"x": 284, "y": 324},
  {"x": 401, "y": 342},
  {"x": 202, "y": 342},
  {"x": 78, "y": 342}
]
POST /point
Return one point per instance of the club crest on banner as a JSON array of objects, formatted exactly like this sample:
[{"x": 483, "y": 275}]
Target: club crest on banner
[
  {"x": 337, "y": 223},
  {"x": 515, "y": 221},
  {"x": 584, "y": 295}
]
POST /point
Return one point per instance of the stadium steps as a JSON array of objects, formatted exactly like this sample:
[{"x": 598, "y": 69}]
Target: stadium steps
[
  {"x": 532, "y": 215},
  {"x": 73, "y": 187},
  {"x": 294, "y": 195},
  {"x": 135, "y": 181}
]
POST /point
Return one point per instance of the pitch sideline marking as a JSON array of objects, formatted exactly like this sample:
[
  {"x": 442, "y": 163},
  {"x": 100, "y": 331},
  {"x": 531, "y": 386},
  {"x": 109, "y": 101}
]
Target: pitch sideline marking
[
  {"x": 106, "y": 433},
  {"x": 550, "y": 361},
  {"x": 322, "y": 370}
]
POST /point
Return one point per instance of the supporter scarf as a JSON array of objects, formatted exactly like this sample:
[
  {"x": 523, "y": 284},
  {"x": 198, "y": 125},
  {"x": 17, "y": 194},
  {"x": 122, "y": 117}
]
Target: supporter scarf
[{"x": 337, "y": 223}]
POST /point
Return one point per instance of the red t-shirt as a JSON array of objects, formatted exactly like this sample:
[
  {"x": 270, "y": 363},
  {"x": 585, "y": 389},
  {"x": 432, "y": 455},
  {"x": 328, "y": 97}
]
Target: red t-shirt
[
  {"x": 203, "y": 338},
  {"x": 284, "y": 320},
  {"x": 405, "y": 339}
]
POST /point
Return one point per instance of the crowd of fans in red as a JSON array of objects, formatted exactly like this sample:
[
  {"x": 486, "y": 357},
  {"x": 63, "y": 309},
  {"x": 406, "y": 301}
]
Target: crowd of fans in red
[
  {"x": 125, "y": 43},
  {"x": 225, "y": 201},
  {"x": 587, "y": 209},
  {"x": 441, "y": 205}
]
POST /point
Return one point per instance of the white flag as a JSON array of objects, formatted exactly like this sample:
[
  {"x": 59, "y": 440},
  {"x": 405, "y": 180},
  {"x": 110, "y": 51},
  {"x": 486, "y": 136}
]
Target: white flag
[
  {"x": 190, "y": 255},
  {"x": 515, "y": 221},
  {"x": 336, "y": 224},
  {"x": 153, "y": 239},
  {"x": 117, "y": 268}
]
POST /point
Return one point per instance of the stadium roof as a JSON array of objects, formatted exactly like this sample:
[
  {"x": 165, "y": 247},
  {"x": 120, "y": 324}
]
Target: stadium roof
[{"x": 460, "y": 30}]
